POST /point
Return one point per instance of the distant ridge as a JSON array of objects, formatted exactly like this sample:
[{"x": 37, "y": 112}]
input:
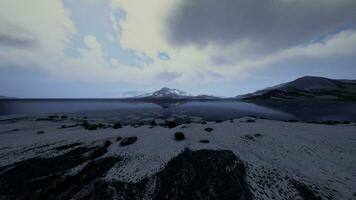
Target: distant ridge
[
  {"x": 169, "y": 93},
  {"x": 308, "y": 87}
]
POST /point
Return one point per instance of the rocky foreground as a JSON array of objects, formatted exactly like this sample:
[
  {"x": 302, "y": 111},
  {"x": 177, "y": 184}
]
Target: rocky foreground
[{"x": 60, "y": 157}]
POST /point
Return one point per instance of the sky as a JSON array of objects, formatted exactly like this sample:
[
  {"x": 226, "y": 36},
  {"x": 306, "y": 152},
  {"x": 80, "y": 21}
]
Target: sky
[{"x": 114, "y": 48}]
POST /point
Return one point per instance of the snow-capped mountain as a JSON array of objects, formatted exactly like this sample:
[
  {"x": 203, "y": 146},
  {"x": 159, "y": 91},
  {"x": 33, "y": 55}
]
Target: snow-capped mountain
[
  {"x": 308, "y": 87},
  {"x": 169, "y": 93}
]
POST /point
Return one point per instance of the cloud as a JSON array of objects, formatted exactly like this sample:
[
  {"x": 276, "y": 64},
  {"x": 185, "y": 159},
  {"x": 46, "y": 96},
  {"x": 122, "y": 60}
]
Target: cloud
[
  {"x": 266, "y": 25},
  {"x": 11, "y": 35},
  {"x": 196, "y": 55}
]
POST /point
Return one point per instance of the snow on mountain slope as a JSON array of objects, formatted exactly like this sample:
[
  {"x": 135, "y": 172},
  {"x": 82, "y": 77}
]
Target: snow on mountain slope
[
  {"x": 168, "y": 93},
  {"x": 308, "y": 87}
]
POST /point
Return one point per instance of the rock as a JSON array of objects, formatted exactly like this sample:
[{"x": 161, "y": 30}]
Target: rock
[
  {"x": 208, "y": 129},
  {"x": 304, "y": 191},
  {"x": 218, "y": 121},
  {"x": 204, "y": 141},
  {"x": 128, "y": 140},
  {"x": 291, "y": 120},
  {"x": 40, "y": 132},
  {"x": 258, "y": 135},
  {"x": 153, "y": 123},
  {"x": 171, "y": 124},
  {"x": 117, "y": 125},
  {"x": 118, "y": 138},
  {"x": 179, "y": 136},
  {"x": 64, "y": 117},
  {"x": 195, "y": 175}
]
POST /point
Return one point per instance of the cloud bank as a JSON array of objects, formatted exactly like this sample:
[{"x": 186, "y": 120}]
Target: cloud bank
[{"x": 175, "y": 42}]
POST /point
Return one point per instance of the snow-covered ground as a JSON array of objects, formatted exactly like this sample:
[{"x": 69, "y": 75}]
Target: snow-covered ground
[{"x": 322, "y": 157}]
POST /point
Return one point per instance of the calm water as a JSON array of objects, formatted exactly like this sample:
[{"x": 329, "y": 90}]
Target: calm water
[{"x": 209, "y": 110}]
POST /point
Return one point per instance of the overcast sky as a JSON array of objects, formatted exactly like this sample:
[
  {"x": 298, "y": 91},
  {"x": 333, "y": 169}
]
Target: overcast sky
[{"x": 107, "y": 48}]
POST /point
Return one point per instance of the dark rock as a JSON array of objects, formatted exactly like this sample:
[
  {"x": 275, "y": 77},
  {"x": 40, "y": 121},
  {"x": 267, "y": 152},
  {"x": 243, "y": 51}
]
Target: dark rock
[
  {"x": 64, "y": 117},
  {"x": 304, "y": 191},
  {"x": 250, "y": 121},
  {"x": 40, "y": 132},
  {"x": 92, "y": 127},
  {"x": 258, "y": 135},
  {"x": 128, "y": 140},
  {"x": 153, "y": 123},
  {"x": 53, "y": 117},
  {"x": 171, "y": 124},
  {"x": 179, "y": 136},
  {"x": 204, "y": 174},
  {"x": 117, "y": 125},
  {"x": 291, "y": 120},
  {"x": 203, "y": 122},
  {"x": 118, "y": 138},
  {"x": 204, "y": 141},
  {"x": 67, "y": 146},
  {"x": 85, "y": 124},
  {"x": 248, "y": 137},
  {"x": 208, "y": 129},
  {"x": 100, "y": 151},
  {"x": 218, "y": 121}
]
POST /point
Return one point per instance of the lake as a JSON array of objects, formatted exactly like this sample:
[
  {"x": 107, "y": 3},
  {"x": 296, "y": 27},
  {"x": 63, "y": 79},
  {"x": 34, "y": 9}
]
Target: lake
[{"x": 208, "y": 110}]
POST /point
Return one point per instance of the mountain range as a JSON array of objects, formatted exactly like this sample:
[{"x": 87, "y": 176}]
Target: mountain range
[
  {"x": 307, "y": 87},
  {"x": 168, "y": 93}
]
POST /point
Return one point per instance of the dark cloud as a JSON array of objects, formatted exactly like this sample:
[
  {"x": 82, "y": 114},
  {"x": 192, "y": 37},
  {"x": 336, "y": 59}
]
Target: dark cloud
[
  {"x": 16, "y": 42},
  {"x": 268, "y": 24},
  {"x": 14, "y": 36}
]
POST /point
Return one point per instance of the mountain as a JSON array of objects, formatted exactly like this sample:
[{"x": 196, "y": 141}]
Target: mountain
[
  {"x": 4, "y": 97},
  {"x": 308, "y": 87},
  {"x": 168, "y": 93}
]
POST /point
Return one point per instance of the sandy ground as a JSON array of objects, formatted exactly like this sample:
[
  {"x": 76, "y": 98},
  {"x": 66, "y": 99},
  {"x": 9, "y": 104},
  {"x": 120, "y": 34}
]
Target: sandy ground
[{"x": 275, "y": 153}]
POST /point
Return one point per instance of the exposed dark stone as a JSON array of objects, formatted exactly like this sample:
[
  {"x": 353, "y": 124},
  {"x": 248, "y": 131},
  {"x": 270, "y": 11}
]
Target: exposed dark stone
[
  {"x": 153, "y": 123},
  {"x": 291, "y": 120},
  {"x": 64, "y": 117},
  {"x": 40, "y": 132},
  {"x": 171, "y": 124},
  {"x": 117, "y": 125},
  {"x": 67, "y": 146},
  {"x": 118, "y": 138},
  {"x": 203, "y": 122},
  {"x": 208, "y": 129},
  {"x": 72, "y": 186},
  {"x": 101, "y": 150},
  {"x": 204, "y": 174},
  {"x": 248, "y": 137},
  {"x": 179, "y": 136},
  {"x": 23, "y": 179},
  {"x": 53, "y": 117},
  {"x": 85, "y": 124},
  {"x": 204, "y": 141},
  {"x": 128, "y": 140},
  {"x": 219, "y": 121},
  {"x": 304, "y": 191},
  {"x": 258, "y": 135},
  {"x": 250, "y": 121}
]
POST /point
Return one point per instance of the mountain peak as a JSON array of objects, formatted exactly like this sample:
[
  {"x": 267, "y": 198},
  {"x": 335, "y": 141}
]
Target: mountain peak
[
  {"x": 166, "y": 92},
  {"x": 308, "y": 87}
]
